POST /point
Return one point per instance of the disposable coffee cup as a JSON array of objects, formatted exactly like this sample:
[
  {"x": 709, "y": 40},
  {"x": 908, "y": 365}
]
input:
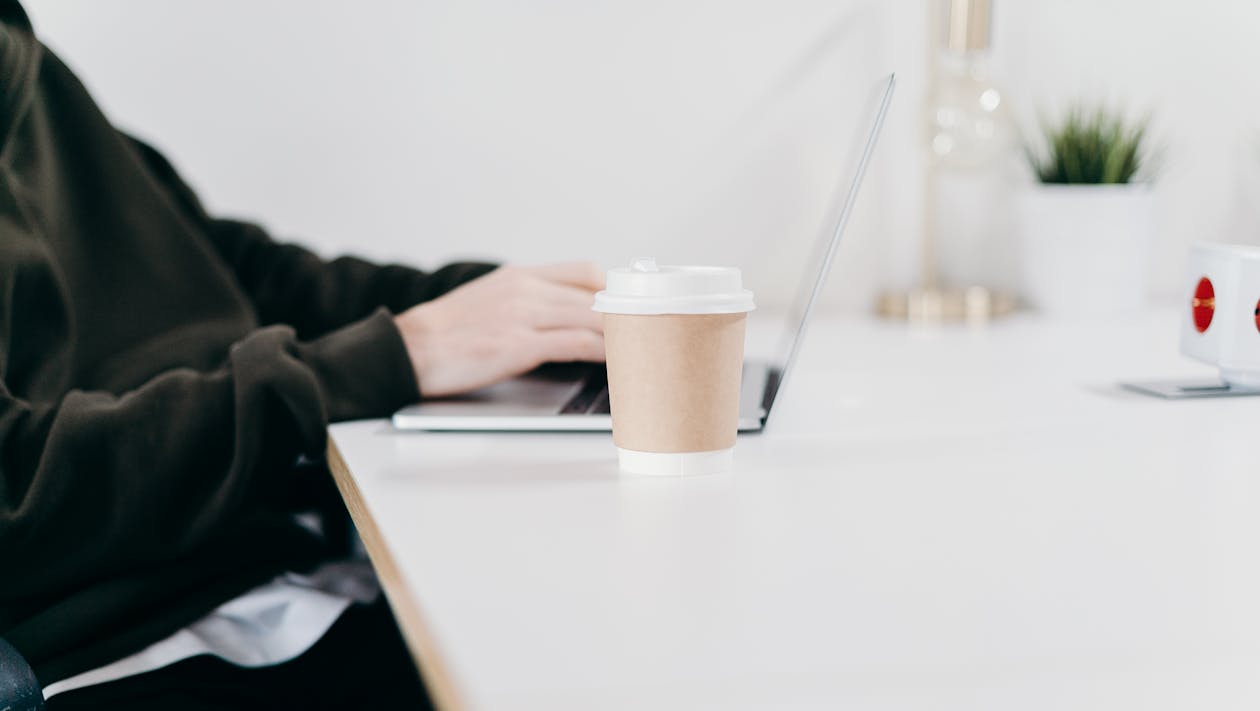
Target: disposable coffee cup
[{"x": 674, "y": 338}]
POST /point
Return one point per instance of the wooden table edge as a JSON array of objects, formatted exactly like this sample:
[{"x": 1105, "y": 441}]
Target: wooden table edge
[{"x": 415, "y": 631}]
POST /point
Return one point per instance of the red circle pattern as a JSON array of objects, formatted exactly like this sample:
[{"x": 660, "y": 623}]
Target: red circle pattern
[{"x": 1203, "y": 306}]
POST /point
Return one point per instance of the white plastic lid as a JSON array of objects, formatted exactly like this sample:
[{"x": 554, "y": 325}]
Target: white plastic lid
[
  {"x": 645, "y": 288},
  {"x": 674, "y": 463}
]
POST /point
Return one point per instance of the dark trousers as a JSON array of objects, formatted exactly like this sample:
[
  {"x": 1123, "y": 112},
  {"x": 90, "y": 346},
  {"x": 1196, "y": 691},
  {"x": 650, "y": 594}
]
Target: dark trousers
[{"x": 360, "y": 663}]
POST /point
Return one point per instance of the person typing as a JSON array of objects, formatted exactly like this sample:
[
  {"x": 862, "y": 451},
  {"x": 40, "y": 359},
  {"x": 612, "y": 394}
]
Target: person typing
[{"x": 168, "y": 535}]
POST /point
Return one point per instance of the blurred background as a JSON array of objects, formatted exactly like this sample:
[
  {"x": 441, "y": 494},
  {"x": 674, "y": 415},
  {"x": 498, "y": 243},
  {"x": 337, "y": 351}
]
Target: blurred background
[{"x": 696, "y": 131}]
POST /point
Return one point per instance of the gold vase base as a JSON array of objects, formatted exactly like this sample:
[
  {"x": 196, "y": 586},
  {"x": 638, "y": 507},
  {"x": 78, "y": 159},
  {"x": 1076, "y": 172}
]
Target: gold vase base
[{"x": 974, "y": 304}]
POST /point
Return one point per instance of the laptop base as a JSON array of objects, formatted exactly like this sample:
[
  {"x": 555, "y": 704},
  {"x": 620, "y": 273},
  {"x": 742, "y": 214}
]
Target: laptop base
[{"x": 535, "y": 402}]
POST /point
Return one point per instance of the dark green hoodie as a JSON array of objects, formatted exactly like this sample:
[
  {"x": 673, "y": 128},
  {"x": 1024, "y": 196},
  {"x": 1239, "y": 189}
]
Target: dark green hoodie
[{"x": 161, "y": 372}]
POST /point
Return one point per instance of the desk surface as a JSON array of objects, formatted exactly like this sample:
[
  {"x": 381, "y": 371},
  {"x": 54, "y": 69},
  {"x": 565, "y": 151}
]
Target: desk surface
[{"x": 939, "y": 519}]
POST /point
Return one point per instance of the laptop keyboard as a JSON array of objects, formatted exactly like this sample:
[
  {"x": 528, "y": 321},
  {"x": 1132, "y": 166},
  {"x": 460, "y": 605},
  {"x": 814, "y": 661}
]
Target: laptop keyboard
[
  {"x": 592, "y": 399},
  {"x": 600, "y": 406}
]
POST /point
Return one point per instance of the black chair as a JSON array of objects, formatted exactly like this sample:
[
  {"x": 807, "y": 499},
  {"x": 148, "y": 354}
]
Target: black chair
[{"x": 19, "y": 690}]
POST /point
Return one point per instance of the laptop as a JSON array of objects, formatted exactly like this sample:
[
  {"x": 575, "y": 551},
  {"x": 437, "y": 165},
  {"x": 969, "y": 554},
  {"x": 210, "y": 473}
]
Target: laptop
[{"x": 574, "y": 397}]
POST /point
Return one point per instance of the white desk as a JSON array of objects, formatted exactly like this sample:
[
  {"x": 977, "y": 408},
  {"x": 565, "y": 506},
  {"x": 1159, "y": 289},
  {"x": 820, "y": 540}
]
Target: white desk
[{"x": 955, "y": 519}]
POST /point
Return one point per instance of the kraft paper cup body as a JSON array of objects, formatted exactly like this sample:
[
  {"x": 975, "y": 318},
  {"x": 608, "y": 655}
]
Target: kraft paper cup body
[{"x": 674, "y": 340}]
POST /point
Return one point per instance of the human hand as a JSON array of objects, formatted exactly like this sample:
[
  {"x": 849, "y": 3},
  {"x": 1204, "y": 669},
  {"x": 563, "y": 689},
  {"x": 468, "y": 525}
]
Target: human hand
[{"x": 503, "y": 324}]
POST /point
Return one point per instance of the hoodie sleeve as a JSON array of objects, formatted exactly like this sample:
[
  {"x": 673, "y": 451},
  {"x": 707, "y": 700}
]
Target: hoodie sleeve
[
  {"x": 288, "y": 284},
  {"x": 95, "y": 482}
]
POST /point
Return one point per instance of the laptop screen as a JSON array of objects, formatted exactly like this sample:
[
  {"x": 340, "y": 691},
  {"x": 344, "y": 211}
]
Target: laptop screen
[{"x": 840, "y": 206}]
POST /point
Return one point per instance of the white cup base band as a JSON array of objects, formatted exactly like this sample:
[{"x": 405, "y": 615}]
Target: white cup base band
[{"x": 674, "y": 463}]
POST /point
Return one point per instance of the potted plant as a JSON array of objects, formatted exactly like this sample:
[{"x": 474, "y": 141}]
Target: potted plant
[{"x": 1087, "y": 225}]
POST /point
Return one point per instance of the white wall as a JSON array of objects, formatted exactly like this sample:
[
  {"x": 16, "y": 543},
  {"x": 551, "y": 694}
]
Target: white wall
[{"x": 700, "y": 130}]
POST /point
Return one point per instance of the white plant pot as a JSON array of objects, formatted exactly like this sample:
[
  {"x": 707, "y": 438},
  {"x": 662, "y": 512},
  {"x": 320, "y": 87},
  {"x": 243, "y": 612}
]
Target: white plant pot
[{"x": 1085, "y": 250}]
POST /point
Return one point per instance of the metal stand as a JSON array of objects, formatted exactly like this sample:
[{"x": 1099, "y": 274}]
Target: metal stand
[
  {"x": 975, "y": 304},
  {"x": 930, "y": 302}
]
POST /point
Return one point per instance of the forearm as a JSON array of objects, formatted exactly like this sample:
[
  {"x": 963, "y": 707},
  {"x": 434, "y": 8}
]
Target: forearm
[
  {"x": 96, "y": 482},
  {"x": 291, "y": 285}
]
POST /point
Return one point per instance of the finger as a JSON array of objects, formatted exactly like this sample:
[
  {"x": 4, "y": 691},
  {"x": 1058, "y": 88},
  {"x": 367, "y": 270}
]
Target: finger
[
  {"x": 561, "y": 306},
  {"x": 569, "y": 344},
  {"x": 563, "y": 294},
  {"x": 556, "y": 317},
  {"x": 584, "y": 275}
]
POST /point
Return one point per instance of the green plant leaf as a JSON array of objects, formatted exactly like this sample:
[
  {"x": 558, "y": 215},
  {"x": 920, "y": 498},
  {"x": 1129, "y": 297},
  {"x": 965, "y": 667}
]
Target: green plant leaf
[{"x": 1094, "y": 146}]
